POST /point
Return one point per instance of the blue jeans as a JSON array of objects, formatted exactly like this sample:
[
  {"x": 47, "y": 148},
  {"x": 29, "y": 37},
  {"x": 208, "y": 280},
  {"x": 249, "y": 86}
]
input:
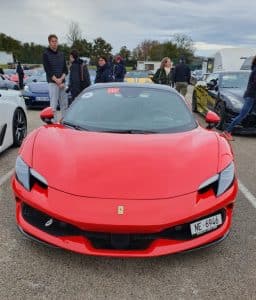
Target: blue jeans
[{"x": 248, "y": 105}]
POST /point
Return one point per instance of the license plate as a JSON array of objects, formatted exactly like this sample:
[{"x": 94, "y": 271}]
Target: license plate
[
  {"x": 42, "y": 99},
  {"x": 205, "y": 225}
]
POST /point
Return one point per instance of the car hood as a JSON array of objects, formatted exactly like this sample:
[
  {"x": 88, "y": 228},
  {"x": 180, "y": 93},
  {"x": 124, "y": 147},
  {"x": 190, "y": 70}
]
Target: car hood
[
  {"x": 233, "y": 97},
  {"x": 38, "y": 87},
  {"x": 125, "y": 166},
  {"x": 235, "y": 92}
]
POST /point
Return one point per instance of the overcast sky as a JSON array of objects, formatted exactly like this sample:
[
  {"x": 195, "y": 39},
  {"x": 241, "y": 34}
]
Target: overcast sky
[{"x": 211, "y": 24}]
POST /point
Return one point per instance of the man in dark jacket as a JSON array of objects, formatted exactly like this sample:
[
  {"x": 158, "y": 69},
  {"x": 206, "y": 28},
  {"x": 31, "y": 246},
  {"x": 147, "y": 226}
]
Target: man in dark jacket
[
  {"x": 103, "y": 73},
  {"x": 249, "y": 102},
  {"x": 181, "y": 77},
  {"x": 56, "y": 71},
  {"x": 79, "y": 77},
  {"x": 119, "y": 69},
  {"x": 20, "y": 73}
]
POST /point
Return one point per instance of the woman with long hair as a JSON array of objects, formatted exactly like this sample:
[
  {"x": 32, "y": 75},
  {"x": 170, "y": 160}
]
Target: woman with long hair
[{"x": 164, "y": 74}]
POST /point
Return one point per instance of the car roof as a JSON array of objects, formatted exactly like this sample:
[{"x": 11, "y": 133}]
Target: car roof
[{"x": 135, "y": 85}]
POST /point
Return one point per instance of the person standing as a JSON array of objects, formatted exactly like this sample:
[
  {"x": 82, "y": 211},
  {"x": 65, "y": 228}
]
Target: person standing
[
  {"x": 20, "y": 72},
  {"x": 249, "y": 102},
  {"x": 119, "y": 69},
  {"x": 164, "y": 74},
  {"x": 103, "y": 73},
  {"x": 56, "y": 70},
  {"x": 79, "y": 77},
  {"x": 181, "y": 77}
]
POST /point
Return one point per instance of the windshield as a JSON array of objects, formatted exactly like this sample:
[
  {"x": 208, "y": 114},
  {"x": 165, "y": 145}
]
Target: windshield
[
  {"x": 130, "y": 110},
  {"x": 234, "y": 80}
]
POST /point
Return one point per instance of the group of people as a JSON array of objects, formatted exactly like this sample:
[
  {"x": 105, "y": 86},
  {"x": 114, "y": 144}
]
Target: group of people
[
  {"x": 109, "y": 71},
  {"x": 56, "y": 71},
  {"x": 178, "y": 77}
]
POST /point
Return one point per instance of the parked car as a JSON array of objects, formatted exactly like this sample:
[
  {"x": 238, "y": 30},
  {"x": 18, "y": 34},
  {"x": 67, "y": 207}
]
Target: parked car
[
  {"x": 7, "y": 84},
  {"x": 36, "y": 94},
  {"x": 36, "y": 91},
  {"x": 15, "y": 77},
  {"x": 196, "y": 75},
  {"x": 143, "y": 178},
  {"x": 138, "y": 77},
  {"x": 223, "y": 93},
  {"x": 13, "y": 119}
]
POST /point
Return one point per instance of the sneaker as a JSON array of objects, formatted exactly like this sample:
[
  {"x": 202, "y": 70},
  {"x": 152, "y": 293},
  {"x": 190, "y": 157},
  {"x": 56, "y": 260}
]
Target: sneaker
[{"x": 227, "y": 135}]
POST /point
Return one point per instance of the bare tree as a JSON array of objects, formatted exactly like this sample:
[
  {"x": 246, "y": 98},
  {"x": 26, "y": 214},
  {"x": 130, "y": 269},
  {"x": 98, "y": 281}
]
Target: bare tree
[{"x": 74, "y": 33}]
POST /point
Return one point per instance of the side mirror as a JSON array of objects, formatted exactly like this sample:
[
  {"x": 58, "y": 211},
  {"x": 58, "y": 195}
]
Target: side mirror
[
  {"x": 212, "y": 119},
  {"x": 47, "y": 115}
]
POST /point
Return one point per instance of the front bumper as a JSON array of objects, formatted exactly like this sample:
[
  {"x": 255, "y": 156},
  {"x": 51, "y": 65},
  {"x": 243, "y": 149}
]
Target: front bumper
[
  {"x": 148, "y": 230},
  {"x": 32, "y": 100}
]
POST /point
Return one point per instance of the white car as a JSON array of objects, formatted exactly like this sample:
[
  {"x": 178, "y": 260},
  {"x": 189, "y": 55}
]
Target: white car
[{"x": 13, "y": 119}]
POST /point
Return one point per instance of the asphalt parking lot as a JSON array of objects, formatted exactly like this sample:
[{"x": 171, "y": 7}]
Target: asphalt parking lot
[{"x": 224, "y": 271}]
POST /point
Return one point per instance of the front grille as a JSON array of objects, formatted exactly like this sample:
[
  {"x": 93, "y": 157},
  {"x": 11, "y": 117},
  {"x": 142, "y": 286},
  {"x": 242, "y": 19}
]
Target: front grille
[{"x": 107, "y": 240}]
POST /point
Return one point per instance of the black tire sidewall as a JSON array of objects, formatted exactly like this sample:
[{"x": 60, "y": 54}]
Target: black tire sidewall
[
  {"x": 221, "y": 114},
  {"x": 17, "y": 143}
]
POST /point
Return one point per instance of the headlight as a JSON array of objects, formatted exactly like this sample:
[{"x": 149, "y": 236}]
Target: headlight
[
  {"x": 22, "y": 173},
  {"x": 219, "y": 182},
  {"x": 226, "y": 178},
  {"x": 28, "y": 176},
  {"x": 26, "y": 88},
  {"x": 235, "y": 102}
]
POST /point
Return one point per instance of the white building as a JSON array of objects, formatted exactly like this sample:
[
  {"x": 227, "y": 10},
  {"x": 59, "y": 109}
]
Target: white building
[
  {"x": 148, "y": 65},
  {"x": 5, "y": 58},
  {"x": 231, "y": 59}
]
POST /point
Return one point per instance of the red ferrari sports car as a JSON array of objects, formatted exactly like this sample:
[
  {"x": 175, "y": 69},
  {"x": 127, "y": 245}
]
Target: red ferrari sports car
[{"x": 127, "y": 172}]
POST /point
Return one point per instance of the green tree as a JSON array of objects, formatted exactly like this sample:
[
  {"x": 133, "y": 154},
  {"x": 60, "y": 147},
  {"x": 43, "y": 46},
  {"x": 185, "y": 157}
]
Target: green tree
[
  {"x": 100, "y": 47},
  {"x": 83, "y": 47},
  {"x": 125, "y": 53},
  {"x": 185, "y": 46}
]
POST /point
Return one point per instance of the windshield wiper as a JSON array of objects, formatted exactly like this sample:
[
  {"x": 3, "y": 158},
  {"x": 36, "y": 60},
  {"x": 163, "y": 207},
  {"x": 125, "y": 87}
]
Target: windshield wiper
[
  {"x": 75, "y": 126},
  {"x": 130, "y": 131},
  {"x": 230, "y": 87}
]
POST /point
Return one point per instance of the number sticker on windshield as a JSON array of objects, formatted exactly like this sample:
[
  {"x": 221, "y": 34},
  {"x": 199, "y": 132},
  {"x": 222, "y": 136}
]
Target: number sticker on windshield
[
  {"x": 87, "y": 95},
  {"x": 113, "y": 90}
]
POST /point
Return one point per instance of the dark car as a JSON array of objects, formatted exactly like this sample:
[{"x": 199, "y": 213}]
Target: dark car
[{"x": 223, "y": 92}]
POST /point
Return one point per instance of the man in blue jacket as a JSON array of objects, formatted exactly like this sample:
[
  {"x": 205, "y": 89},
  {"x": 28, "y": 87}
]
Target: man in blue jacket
[
  {"x": 56, "y": 71},
  {"x": 181, "y": 77}
]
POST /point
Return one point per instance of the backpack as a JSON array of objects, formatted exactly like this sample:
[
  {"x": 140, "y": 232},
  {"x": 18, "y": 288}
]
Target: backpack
[{"x": 83, "y": 79}]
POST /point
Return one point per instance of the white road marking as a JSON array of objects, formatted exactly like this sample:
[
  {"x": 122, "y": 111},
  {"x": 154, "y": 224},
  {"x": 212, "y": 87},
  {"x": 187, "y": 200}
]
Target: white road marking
[
  {"x": 6, "y": 177},
  {"x": 248, "y": 195}
]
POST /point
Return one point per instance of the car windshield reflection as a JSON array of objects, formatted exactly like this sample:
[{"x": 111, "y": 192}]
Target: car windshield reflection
[{"x": 130, "y": 110}]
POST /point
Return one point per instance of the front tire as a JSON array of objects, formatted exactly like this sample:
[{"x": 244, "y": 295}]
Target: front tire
[
  {"x": 220, "y": 110},
  {"x": 19, "y": 127}
]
